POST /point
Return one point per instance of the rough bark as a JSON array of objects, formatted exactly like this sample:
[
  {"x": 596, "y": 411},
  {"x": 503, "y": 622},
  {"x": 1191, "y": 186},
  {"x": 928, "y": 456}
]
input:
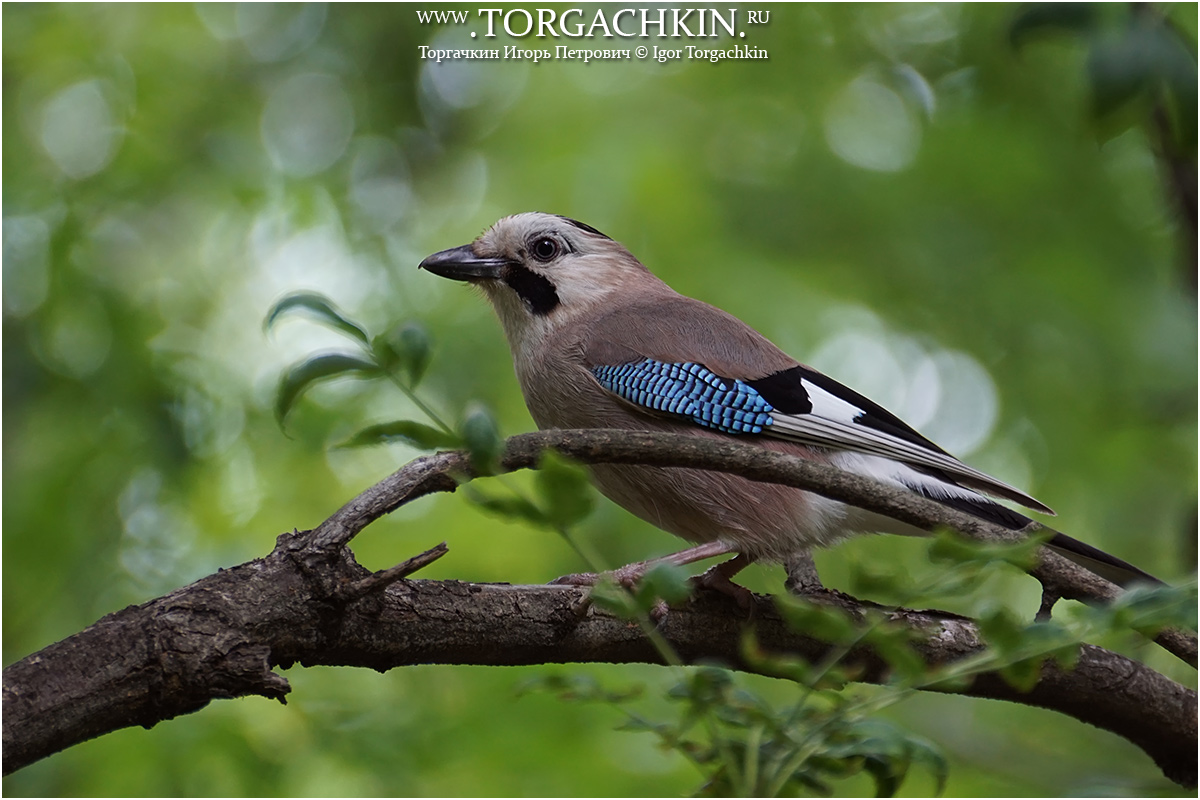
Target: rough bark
[{"x": 309, "y": 602}]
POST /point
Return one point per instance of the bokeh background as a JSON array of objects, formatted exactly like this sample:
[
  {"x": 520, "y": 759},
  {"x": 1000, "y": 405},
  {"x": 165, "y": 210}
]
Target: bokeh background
[{"x": 979, "y": 233}]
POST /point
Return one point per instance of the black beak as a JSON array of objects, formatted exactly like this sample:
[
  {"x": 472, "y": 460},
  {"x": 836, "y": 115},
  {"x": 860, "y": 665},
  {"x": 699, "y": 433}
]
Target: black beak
[{"x": 461, "y": 264}]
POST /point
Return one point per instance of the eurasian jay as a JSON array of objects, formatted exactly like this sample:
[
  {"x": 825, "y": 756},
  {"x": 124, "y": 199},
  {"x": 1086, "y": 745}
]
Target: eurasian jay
[{"x": 599, "y": 342}]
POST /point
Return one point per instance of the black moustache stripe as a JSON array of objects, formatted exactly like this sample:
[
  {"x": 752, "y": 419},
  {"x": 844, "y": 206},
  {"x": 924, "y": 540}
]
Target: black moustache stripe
[{"x": 537, "y": 292}]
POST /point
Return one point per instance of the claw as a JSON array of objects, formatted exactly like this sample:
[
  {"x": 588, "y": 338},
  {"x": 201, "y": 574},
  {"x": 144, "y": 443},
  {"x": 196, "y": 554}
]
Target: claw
[{"x": 718, "y": 578}]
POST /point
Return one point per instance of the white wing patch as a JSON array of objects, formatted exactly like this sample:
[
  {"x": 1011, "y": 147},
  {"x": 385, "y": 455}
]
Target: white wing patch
[{"x": 830, "y": 406}]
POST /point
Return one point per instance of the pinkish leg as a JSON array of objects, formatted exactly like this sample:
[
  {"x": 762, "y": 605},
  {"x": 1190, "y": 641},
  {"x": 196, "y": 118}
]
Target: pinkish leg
[
  {"x": 630, "y": 574},
  {"x": 718, "y": 578}
]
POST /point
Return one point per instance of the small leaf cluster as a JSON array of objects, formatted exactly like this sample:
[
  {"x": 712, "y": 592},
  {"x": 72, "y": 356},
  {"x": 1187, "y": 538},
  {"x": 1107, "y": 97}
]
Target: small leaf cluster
[
  {"x": 562, "y": 493},
  {"x": 562, "y": 496},
  {"x": 401, "y": 355},
  {"x": 891, "y": 641},
  {"x": 960, "y": 564},
  {"x": 1016, "y": 649},
  {"x": 745, "y": 746},
  {"x": 1144, "y": 608}
]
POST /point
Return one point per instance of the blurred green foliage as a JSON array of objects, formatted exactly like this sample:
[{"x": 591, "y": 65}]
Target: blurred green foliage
[{"x": 900, "y": 196}]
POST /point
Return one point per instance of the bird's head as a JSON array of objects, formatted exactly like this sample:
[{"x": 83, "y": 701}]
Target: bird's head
[{"x": 541, "y": 270}]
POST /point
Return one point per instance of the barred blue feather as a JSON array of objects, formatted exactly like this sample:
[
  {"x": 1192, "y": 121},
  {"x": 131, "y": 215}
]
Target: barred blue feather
[{"x": 690, "y": 390}]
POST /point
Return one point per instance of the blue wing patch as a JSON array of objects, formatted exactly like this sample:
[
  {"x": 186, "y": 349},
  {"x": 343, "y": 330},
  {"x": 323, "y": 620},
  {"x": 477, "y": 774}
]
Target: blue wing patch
[{"x": 690, "y": 390}]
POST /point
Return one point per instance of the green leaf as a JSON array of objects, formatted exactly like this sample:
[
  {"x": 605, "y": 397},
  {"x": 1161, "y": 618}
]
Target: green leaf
[
  {"x": 797, "y": 669},
  {"x": 554, "y": 682},
  {"x": 1023, "y": 675},
  {"x": 1177, "y": 65},
  {"x": 914, "y": 87},
  {"x": 1120, "y": 68},
  {"x": 953, "y": 548},
  {"x": 825, "y": 623},
  {"x": 944, "y": 679},
  {"x": 507, "y": 506},
  {"x": 407, "y": 347},
  {"x": 299, "y": 378},
  {"x": 927, "y": 754},
  {"x": 563, "y": 489},
  {"x": 1067, "y": 656},
  {"x": 403, "y": 430},
  {"x": 1151, "y": 608},
  {"x": 894, "y": 644},
  {"x": 1045, "y": 637},
  {"x": 1003, "y": 631},
  {"x": 580, "y": 688},
  {"x": 1142, "y": 69},
  {"x": 1040, "y": 18},
  {"x": 482, "y": 439},
  {"x": 319, "y": 308},
  {"x": 615, "y": 599},
  {"x": 1013, "y": 642},
  {"x": 705, "y": 686},
  {"x": 780, "y": 665},
  {"x": 876, "y": 583},
  {"x": 885, "y": 752},
  {"x": 887, "y": 773},
  {"x": 636, "y": 723},
  {"x": 666, "y": 581}
]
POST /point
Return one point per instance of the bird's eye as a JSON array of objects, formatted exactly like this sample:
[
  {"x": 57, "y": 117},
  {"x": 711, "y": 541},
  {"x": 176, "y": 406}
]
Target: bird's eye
[{"x": 544, "y": 249}]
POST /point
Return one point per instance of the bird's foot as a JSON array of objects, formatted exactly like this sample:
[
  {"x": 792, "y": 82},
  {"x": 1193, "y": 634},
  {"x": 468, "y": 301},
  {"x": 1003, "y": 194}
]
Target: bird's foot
[
  {"x": 802, "y": 577},
  {"x": 717, "y": 579},
  {"x": 627, "y": 576},
  {"x": 659, "y": 611}
]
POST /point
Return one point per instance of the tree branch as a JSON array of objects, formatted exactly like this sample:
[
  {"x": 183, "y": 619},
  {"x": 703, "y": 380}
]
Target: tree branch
[
  {"x": 1060, "y": 576},
  {"x": 309, "y": 602}
]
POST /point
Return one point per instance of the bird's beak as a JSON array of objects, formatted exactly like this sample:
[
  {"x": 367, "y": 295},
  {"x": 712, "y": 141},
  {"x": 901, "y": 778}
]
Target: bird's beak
[{"x": 461, "y": 264}]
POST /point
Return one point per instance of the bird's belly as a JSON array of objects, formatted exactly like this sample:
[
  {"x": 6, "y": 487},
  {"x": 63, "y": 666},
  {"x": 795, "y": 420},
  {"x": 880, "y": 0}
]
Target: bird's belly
[{"x": 764, "y": 520}]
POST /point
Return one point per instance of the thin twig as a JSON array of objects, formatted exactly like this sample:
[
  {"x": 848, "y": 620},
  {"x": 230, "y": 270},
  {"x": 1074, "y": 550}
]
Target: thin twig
[{"x": 384, "y": 578}]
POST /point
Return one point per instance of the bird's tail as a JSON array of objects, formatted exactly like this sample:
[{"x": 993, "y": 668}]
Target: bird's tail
[
  {"x": 952, "y": 494},
  {"x": 1091, "y": 558},
  {"x": 1109, "y": 567}
]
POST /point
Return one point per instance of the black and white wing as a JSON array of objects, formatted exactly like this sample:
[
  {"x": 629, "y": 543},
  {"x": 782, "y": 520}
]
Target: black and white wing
[
  {"x": 816, "y": 410},
  {"x": 802, "y": 405}
]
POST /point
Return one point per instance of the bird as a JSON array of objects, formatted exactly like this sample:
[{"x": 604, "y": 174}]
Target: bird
[{"x": 599, "y": 341}]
